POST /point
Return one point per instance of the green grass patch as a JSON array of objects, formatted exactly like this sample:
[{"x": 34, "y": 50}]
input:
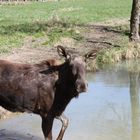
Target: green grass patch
[
  {"x": 82, "y": 10},
  {"x": 56, "y": 33},
  {"x": 8, "y": 42},
  {"x": 54, "y": 29}
]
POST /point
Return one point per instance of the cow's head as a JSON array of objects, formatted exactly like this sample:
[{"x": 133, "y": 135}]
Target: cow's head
[{"x": 77, "y": 68}]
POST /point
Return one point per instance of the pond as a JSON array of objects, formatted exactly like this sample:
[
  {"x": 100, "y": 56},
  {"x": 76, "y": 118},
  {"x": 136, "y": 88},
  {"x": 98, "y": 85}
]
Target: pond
[{"x": 110, "y": 110}]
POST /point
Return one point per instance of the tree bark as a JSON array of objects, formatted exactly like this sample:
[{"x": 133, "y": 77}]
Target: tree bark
[{"x": 134, "y": 21}]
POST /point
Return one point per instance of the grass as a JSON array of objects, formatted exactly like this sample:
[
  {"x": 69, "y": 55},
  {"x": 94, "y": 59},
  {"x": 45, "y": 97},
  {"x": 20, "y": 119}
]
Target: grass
[
  {"x": 109, "y": 57},
  {"x": 8, "y": 42},
  {"x": 54, "y": 19},
  {"x": 81, "y": 10},
  {"x": 114, "y": 55}
]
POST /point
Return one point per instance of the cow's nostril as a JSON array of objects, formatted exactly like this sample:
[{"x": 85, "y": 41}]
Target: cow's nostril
[
  {"x": 82, "y": 88},
  {"x": 87, "y": 84},
  {"x": 85, "y": 89}
]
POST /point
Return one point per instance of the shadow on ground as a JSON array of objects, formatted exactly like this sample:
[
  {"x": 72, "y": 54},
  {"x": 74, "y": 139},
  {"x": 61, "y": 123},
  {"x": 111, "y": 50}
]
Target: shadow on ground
[
  {"x": 44, "y": 26},
  {"x": 32, "y": 27},
  {"x": 11, "y": 135}
]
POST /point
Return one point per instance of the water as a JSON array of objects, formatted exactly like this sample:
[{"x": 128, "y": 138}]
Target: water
[{"x": 110, "y": 110}]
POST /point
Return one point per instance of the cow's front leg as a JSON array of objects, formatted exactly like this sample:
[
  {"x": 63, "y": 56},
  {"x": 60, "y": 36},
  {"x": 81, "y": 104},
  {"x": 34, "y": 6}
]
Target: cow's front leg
[
  {"x": 47, "y": 123},
  {"x": 64, "y": 121}
]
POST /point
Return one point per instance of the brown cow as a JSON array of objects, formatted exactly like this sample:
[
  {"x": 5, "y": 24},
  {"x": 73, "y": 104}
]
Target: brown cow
[{"x": 44, "y": 88}]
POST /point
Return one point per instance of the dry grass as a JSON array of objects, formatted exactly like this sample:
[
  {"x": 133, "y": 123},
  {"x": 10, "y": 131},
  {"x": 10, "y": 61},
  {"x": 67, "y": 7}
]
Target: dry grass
[{"x": 113, "y": 55}]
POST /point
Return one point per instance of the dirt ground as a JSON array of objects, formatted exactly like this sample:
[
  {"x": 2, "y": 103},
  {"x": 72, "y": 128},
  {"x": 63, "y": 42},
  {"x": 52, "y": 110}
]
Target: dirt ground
[{"x": 97, "y": 36}]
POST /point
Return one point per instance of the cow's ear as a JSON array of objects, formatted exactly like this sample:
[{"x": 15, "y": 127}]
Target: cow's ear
[
  {"x": 90, "y": 55},
  {"x": 63, "y": 53}
]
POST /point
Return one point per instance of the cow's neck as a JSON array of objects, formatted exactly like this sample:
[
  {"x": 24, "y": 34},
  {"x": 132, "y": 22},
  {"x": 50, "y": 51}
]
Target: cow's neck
[{"x": 66, "y": 80}]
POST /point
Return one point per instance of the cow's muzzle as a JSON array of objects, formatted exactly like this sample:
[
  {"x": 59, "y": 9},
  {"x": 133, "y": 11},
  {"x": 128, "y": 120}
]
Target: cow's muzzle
[{"x": 81, "y": 87}]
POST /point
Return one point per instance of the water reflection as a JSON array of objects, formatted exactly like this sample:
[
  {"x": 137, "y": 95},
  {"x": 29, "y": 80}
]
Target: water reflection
[
  {"x": 109, "y": 111},
  {"x": 131, "y": 70},
  {"x": 135, "y": 108}
]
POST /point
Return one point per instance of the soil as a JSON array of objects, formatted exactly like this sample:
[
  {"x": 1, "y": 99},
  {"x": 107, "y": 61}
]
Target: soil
[{"x": 96, "y": 37}]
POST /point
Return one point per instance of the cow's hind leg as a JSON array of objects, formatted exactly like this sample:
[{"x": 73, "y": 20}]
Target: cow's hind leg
[
  {"x": 64, "y": 121},
  {"x": 47, "y": 123}
]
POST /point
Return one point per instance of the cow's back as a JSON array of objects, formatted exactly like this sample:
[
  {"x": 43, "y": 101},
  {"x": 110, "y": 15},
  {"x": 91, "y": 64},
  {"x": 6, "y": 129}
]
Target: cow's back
[
  {"x": 17, "y": 86},
  {"x": 8, "y": 68},
  {"x": 23, "y": 88}
]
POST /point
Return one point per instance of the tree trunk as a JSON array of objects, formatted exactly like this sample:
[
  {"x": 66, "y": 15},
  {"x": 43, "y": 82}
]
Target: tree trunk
[{"x": 134, "y": 21}]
